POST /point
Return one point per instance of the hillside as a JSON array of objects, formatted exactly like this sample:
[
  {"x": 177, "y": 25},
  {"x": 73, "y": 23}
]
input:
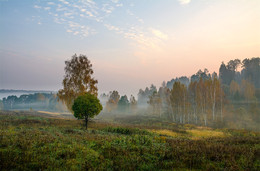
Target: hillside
[{"x": 39, "y": 141}]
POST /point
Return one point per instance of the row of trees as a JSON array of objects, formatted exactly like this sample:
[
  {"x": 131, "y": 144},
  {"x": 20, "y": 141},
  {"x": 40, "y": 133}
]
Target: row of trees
[
  {"x": 200, "y": 99},
  {"x": 250, "y": 71},
  {"x": 245, "y": 91},
  {"x": 196, "y": 103},
  {"x": 116, "y": 104},
  {"x": 241, "y": 87},
  {"x": 38, "y": 101}
]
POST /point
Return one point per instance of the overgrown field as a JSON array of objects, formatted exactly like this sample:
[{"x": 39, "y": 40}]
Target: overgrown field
[{"x": 41, "y": 142}]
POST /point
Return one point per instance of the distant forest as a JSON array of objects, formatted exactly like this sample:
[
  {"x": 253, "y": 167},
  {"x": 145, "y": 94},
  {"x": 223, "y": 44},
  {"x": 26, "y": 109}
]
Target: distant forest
[
  {"x": 230, "y": 99},
  {"x": 36, "y": 101}
]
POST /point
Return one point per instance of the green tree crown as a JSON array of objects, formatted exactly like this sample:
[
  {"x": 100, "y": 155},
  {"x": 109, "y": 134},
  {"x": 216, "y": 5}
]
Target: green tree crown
[{"x": 86, "y": 105}]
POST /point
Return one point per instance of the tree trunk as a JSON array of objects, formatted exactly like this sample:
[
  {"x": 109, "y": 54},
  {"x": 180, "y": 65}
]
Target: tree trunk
[
  {"x": 205, "y": 119},
  {"x": 214, "y": 103},
  {"x": 86, "y": 121},
  {"x": 173, "y": 117},
  {"x": 221, "y": 108},
  {"x": 194, "y": 115}
]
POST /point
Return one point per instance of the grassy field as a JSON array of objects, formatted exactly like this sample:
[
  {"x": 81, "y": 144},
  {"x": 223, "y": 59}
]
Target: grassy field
[{"x": 43, "y": 141}]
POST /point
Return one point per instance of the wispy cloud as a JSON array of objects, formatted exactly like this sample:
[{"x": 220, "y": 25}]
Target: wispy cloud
[
  {"x": 111, "y": 27},
  {"x": 184, "y": 2},
  {"x": 47, "y": 8},
  {"x": 36, "y": 7},
  {"x": 107, "y": 8},
  {"x": 115, "y": 1},
  {"x": 68, "y": 14},
  {"x": 159, "y": 34},
  {"x": 75, "y": 17},
  {"x": 64, "y": 2},
  {"x": 50, "y": 3}
]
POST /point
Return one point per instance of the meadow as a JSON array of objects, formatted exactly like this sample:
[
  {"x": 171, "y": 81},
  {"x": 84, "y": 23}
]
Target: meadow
[{"x": 44, "y": 141}]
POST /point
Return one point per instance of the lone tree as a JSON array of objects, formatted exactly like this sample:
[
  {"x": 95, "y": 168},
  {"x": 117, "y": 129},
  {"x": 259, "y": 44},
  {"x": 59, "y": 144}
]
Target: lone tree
[
  {"x": 78, "y": 80},
  {"x": 86, "y": 106}
]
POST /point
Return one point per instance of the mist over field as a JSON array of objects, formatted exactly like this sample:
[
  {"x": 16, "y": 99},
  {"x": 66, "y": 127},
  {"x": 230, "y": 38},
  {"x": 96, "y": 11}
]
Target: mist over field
[
  {"x": 129, "y": 85},
  {"x": 229, "y": 99}
]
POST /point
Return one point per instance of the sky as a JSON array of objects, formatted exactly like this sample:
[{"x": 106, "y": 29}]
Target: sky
[{"x": 131, "y": 43}]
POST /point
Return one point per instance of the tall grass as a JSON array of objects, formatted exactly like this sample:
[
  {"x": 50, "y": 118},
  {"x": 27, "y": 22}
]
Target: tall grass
[{"x": 30, "y": 142}]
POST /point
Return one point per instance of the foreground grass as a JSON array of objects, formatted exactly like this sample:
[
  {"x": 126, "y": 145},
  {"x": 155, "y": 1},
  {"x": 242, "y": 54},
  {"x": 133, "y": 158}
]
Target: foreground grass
[{"x": 30, "y": 142}]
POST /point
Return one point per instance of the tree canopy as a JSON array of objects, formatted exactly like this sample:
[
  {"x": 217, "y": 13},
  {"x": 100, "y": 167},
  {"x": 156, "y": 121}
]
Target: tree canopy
[
  {"x": 78, "y": 80},
  {"x": 86, "y": 106}
]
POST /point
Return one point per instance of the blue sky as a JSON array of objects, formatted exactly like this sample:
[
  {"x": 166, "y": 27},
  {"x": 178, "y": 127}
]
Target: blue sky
[{"x": 131, "y": 43}]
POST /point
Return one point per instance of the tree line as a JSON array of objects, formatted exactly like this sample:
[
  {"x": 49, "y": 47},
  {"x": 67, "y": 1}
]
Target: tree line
[
  {"x": 180, "y": 104},
  {"x": 36, "y": 101},
  {"x": 204, "y": 98}
]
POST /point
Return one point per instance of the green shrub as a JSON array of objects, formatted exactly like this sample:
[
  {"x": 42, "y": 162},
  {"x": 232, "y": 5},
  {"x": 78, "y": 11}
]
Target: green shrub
[{"x": 126, "y": 131}]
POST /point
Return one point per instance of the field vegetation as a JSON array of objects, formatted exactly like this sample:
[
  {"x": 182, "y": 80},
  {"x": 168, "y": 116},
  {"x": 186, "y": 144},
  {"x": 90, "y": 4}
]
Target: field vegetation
[{"x": 40, "y": 141}]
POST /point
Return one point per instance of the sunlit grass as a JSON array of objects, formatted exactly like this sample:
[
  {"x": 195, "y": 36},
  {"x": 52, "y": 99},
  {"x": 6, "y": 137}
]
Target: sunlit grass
[
  {"x": 194, "y": 134},
  {"x": 52, "y": 113},
  {"x": 205, "y": 133},
  {"x": 164, "y": 132}
]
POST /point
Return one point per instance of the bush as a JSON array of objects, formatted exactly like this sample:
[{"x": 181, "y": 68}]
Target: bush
[{"x": 126, "y": 131}]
